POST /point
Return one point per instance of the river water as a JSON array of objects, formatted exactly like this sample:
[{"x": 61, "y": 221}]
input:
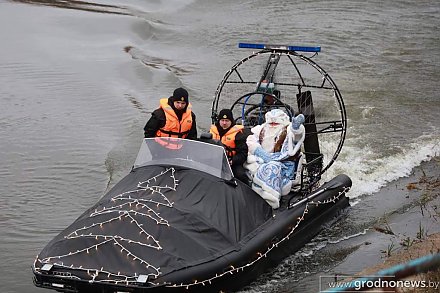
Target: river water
[{"x": 79, "y": 79}]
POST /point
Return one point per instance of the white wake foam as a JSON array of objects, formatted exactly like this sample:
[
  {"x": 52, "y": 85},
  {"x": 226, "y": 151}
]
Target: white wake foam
[{"x": 369, "y": 171}]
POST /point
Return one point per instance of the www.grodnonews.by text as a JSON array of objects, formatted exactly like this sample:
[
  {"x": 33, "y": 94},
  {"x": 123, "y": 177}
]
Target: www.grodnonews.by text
[{"x": 327, "y": 283}]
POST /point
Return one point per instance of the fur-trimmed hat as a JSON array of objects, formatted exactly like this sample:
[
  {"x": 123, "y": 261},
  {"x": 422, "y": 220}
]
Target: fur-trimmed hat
[
  {"x": 277, "y": 116},
  {"x": 225, "y": 114},
  {"x": 180, "y": 94}
]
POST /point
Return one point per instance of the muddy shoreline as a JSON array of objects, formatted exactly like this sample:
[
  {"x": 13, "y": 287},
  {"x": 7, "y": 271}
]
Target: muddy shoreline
[{"x": 407, "y": 219}]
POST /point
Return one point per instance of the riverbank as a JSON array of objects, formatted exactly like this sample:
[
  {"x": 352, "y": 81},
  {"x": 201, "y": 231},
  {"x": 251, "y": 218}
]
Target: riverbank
[
  {"x": 383, "y": 229},
  {"x": 427, "y": 246},
  {"x": 424, "y": 243},
  {"x": 407, "y": 233}
]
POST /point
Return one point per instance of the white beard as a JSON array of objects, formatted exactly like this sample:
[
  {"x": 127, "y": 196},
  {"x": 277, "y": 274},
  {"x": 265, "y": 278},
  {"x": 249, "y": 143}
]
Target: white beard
[{"x": 271, "y": 136}]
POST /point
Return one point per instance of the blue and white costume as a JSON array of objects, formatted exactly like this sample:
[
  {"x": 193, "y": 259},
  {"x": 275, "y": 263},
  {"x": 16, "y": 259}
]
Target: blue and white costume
[{"x": 271, "y": 170}]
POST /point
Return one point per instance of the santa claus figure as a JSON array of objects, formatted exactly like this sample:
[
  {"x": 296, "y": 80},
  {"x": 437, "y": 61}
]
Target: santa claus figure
[{"x": 274, "y": 148}]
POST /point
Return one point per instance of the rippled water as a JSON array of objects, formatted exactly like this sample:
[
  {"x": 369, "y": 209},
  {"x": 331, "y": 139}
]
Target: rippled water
[{"x": 78, "y": 81}]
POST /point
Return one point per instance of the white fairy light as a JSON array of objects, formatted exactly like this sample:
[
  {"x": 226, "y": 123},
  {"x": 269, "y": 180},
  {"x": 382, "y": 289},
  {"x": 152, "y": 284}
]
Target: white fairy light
[
  {"x": 127, "y": 199},
  {"x": 141, "y": 198},
  {"x": 269, "y": 249}
]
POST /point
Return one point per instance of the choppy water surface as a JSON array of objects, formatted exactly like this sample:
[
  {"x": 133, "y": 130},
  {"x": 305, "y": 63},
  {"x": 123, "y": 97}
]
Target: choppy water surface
[{"x": 79, "y": 79}]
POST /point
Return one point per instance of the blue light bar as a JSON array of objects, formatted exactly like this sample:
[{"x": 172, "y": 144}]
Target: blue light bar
[{"x": 279, "y": 47}]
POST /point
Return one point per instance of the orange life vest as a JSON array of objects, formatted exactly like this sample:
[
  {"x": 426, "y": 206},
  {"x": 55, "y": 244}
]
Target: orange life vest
[
  {"x": 171, "y": 143},
  {"x": 173, "y": 127},
  {"x": 228, "y": 139}
]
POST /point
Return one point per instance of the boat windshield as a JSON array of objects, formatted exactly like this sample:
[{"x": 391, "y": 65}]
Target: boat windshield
[{"x": 209, "y": 158}]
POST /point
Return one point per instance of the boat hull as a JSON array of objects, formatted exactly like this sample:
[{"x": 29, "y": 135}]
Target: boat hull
[{"x": 284, "y": 233}]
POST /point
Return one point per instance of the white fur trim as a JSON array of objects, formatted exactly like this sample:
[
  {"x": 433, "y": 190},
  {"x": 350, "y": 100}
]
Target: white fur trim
[
  {"x": 251, "y": 164},
  {"x": 277, "y": 116},
  {"x": 252, "y": 142},
  {"x": 286, "y": 188}
]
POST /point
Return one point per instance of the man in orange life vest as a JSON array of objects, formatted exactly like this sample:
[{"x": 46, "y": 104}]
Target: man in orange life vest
[
  {"x": 174, "y": 118},
  {"x": 233, "y": 137}
]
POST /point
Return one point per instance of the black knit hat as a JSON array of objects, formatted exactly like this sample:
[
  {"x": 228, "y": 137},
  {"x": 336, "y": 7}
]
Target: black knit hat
[
  {"x": 180, "y": 94},
  {"x": 226, "y": 114}
]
